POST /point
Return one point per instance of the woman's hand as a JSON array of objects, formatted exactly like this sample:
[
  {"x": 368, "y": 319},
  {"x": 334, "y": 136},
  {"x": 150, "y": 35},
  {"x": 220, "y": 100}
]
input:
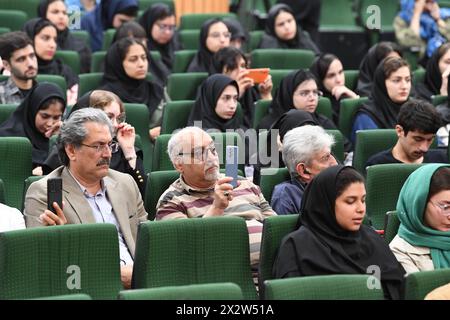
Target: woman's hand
[
  {"x": 343, "y": 91},
  {"x": 126, "y": 136},
  {"x": 444, "y": 84},
  {"x": 265, "y": 88},
  {"x": 154, "y": 133},
  {"x": 53, "y": 129},
  {"x": 72, "y": 95},
  {"x": 243, "y": 82}
]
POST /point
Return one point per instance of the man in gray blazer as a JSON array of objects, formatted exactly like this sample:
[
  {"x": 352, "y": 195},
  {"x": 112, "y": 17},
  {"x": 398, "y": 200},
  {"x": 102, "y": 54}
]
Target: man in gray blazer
[{"x": 92, "y": 192}]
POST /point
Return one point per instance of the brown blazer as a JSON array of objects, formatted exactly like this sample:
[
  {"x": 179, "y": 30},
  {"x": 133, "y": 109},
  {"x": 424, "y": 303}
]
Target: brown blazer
[{"x": 121, "y": 190}]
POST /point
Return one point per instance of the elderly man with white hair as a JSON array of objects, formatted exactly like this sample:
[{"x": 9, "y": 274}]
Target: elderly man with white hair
[
  {"x": 202, "y": 192},
  {"x": 306, "y": 152}
]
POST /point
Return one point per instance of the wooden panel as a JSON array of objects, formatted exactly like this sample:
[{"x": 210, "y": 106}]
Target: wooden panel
[{"x": 200, "y": 6}]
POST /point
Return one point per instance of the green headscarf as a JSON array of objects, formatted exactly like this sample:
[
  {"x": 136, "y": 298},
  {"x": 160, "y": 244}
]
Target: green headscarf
[{"x": 411, "y": 206}]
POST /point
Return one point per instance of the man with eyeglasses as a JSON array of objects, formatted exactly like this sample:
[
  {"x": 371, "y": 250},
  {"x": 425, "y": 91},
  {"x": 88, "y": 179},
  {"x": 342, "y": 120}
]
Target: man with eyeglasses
[
  {"x": 201, "y": 191},
  {"x": 92, "y": 192}
]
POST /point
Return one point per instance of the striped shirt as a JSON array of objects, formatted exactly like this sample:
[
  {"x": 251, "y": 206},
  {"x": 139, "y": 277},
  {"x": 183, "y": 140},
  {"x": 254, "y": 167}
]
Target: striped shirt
[{"x": 183, "y": 201}]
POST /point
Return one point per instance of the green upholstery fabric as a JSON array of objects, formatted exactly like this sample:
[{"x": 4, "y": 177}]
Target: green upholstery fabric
[
  {"x": 6, "y": 110},
  {"x": 161, "y": 159},
  {"x": 193, "y": 251},
  {"x": 255, "y": 39},
  {"x": 157, "y": 183},
  {"x": 176, "y": 115},
  {"x": 337, "y": 14},
  {"x": 438, "y": 99},
  {"x": 26, "y": 184},
  {"x": 28, "y": 6},
  {"x": 2, "y": 192},
  {"x": 184, "y": 86},
  {"x": 108, "y": 36},
  {"x": 182, "y": 60},
  {"x": 97, "y": 61},
  {"x": 261, "y": 109},
  {"x": 419, "y": 284},
  {"x": 418, "y": 76},
  {"x": 383, "y": 185},
  {"x": 333, "y": 287},
  {"x": 324, "y": 107},
  {"x": 392, "y": 223},
  {"x": 196, "y": 20},
  {"x": 209, "y": 291},
  {"x": 58, "y": 80},
  {"x": 13, "y": 19},
  {"x": 71, "y": 58},
  {"x": 351, "y": 78},
  {"x": 83, "y": 35},
  {"x": 79, "y": 296},
  {"x": 190, "y": 39},
  {"x": 338, "y": 147},
  {"x": 282, "y": 58},
  {"x": 42, "y": 262},
  {"x": 89, "y": 81},
  {"x": 144, "y": 4},
  {"x": 277, "y": 76},
  {"x": 274, "y": 230},
  {"x": 346, "y": 113},
  {"x": 15, "y": 168},
  {"x": 270, "y": 177}
]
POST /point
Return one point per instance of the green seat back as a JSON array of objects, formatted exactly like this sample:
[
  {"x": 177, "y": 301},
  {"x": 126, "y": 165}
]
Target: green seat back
[
  {"x": 351, "y": 78},
  {"x": 75, "y": 258},
  {"x": 419, "y": 284},
  {"x": 347, "y": 111},
  {"x": 55, "y": 79},
  {"x": 330, "y": 287},
  {"x": 27, "y": 183},
  {"x": 138, "y": 116},
  {"x": 190, "y": 39},
  {"x": 418, "y": 76},
  {"x": 270, "y": 177},
  {"x": 184, "y": 86},
  {"x": 97, "y": 61},
  {"x": 196, "y": 20},
  {"x": 89, "y": 81},
  {"x": 2, "y": 192},
  {"x": 182, "y": 60},
  {"x": 324, "y": 107},
  {"x": 108, "y": 36},
  {"x": 70, "y": 58},
  {"x": 261, "y": 110},
  {"x": 193, "y": 251},
  {"x": 277, "y": 76},
  {"x": 255, "y": 39},
  {"x": 6, "y": 110},
  {"x": 274, "y": 230},
  {"x": 16, "y": 167},
  {"x": 145, "y": 4},
  {"x": 157, "y": 183},
  {"x": 76, "y": 296},
  {"x": 438, "y": 99},
  {"x": 338, "y": 147},
  {"x": 176, "y": 115},
  {"x": 4, "y": 30},
  {"x": 383, "y": 185},
  {"x": 28, "y": 6},
  {"x": 208, "y": 291},
  {"x": 337, "y": 14},
  {"x": 391, "y": 225},
  {"x": 82, "y": 35},
  {"x": 13, "y": 19},
  {"x": 282, "y": 58}
]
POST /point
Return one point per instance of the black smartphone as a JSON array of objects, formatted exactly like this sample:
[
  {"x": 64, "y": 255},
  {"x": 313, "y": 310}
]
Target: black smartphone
[
  {"x": 54, "y": 193},
  {"x": 231, "y": 164}
]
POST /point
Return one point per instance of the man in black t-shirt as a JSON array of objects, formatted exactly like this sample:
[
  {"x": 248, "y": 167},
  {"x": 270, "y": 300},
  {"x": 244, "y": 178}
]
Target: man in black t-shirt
[{"x": 417, "y": 124}]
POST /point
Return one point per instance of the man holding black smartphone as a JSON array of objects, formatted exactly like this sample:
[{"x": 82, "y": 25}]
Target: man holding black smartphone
[{"x": 91, "y": 191}]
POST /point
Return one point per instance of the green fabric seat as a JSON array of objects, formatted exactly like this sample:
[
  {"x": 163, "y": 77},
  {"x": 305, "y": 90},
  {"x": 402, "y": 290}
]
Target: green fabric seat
[
  {"x": 157, "y": 183},
  {"x": 176, "y": 115},
  {"x": 79, "y": 296},
  {"x": 438, "y": 99},
  {"x": 255, "y": 39},
  {"x": 332, "y": 287},
  {"x": 70, "y": 58},
  {"x": 190, "y": 39},
  {"x": 383, "y": 185},
  {"x": 274, "y": 230},
  {"x": 208, "y": 291},
  {"x": 282, "y": 58},
  {"x": 16, "y": 167},
  {"x": 145, "y": 4},
  {"x": 418, "y": 76},
  {"x": 261, "y": 110},
  {"x": 26, "y": 184},
  {"x": 419, "y": 284},
  {"x": 4, "y": 30},
  {"x": 88, "y": 82},
  {"x": 196, "y": 20},
  {"x": 60, "y": 260},
  {"x": 270, "y": 177},
  {"x": 193, "y": 251},
  {"x": 391, "y": 225},
  {"x": 13, "y": 19},
  {"x": 184, "y": 86},
  {"x": 347, "y": 111},
  {"x": 55, "y": 79},
  {"x": 351, "y": 78},
  {"x": 2, "y": 192},
  {"x": 324, "y": 107},
  {"x": 28, "y": 6},
  {"x": 108, "y": 36},
  {"x": 277, "y": 76},
  {"x": 83, "y": 35},
  {"x": 182, "y": 60},
  {"x": 97, "y": 61},
  {"x": 338, "y": 147},
  {"x": 6, "y": 110}
]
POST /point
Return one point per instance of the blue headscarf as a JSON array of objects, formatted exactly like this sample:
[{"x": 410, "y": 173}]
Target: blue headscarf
[
  {"x": 101, "y": 18},
  {"x": 429, "y": 30}
]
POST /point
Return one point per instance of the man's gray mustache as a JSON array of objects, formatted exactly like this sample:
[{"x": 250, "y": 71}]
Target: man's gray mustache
[{"x": 103, "y": 162}]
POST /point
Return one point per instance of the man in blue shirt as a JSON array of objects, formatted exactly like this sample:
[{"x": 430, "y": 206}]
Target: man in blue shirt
[{"x": 306, "y": 151}]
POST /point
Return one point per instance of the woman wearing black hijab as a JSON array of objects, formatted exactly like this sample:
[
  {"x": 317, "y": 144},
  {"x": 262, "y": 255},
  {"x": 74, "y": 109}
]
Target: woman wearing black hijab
[
  {"x": 37, "y": 118},
  {"x": 56, "y": 12},
  {"x": 214, "y": 35},
  {"x": 158, "y": 22},
  {"x": 127, "y": 159},
  {"x": 43, "y": 33},
  {"x": 371, "y": 61},
  {"x": 283, "y": 32},
  {"x": 216, "y": 104},
  {"x": 391, "y": 88},
  {"x": 126, "y": 66},
  {"x": 436, "y": 74},
  {"x": 331, "y": 237}
]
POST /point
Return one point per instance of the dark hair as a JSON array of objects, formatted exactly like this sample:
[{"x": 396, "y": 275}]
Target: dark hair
[
  {"x": 164, "y": 11},
  {"x": 419, "y": 115},
  {"x": 345, "y": 178},
  {"x": 384, "y": 48},
  {"x": 443, "y": 49},
  {"x": 130, "y": 11},
  {"x": 50, "y": 101},
  {"x": 43, "y": 7},
  {"x": 130, "y": 29},
  {"x": 13, "y": 41},
  {"x": 392, "y": 64},
  {"x": 124, "y": 44},
  {"x": 322, "y": 64},
  {"x": 227, "y": 57},
  {"x": 439, "y": 181},
  {"x": 305, "y": 75}
]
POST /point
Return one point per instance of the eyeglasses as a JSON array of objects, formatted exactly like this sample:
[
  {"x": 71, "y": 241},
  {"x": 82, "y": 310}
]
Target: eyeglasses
[
  {"x": 201, "y": 154},
  {"x": 112, "y": 146},
  {"x": 218, "y": 34},
  {"x": 121, "y": 118},
  {"x": 445, "y": 208},
  {"x": 306, "y": 93},
  {"x": 166, "y": 27}
]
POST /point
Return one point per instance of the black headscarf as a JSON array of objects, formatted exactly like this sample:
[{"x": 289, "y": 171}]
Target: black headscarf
[
  {"x": 369, "y": 64},
  {"x": 147, "y": 20},
  {"x": 433, "y": 79},
  {"x": 205, "y": 105},
  {"x": 321, "y": 247},
  {"x": 22, "y": 123},
  {"x": 54, "y": 66},
  {"x": 270, "y": 39},
  {"x": 380, "y": 107},
  {"x": 293, "y": 119},
  {"x": 203, "y": 59},
  {"x": 236, "y": 29},
  {"x": 66, "y": 41},
  {"x": 128, "y": 89}
]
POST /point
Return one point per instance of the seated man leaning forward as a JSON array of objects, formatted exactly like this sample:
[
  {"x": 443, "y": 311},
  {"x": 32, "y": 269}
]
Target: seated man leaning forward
[
  {"x": 92, "y": 192},
  {"x": 193, "y": 154}
]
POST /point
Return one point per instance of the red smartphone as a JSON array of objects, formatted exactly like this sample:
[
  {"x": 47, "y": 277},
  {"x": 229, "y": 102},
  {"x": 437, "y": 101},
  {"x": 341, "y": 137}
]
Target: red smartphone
[{"x": 258, "y": 75}]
